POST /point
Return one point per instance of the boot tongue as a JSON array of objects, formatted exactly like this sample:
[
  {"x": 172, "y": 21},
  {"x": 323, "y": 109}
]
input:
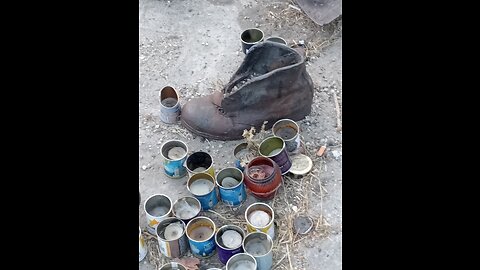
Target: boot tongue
[
  {"x": 261, "y": 60},
  {"x": 238, "y": 82}
]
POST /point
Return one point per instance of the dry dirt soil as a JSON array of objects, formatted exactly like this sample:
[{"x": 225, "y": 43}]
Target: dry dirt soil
[{"x": 194, "y": 46}]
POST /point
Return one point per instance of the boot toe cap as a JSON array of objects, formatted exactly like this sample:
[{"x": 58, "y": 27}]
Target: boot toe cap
[{"x": 202, "y": 117}]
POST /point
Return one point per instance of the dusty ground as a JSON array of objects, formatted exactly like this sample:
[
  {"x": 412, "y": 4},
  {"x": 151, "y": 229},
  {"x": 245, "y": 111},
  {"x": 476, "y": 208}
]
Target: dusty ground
[{"x": 194, "y": 46}]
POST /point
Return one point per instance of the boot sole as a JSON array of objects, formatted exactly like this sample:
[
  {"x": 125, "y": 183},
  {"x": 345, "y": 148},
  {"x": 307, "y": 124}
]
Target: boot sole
[
  {"x": 295, "y": 118},
  {"x": 208, "y": 136}
]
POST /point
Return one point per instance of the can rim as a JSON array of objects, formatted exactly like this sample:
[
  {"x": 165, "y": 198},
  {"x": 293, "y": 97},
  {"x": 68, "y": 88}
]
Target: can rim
[
  {"x": 160, "y": 97},
  {"x": 229, "y": 188},
  {"x": 269, "y": 239},
  {"x": 239, "y": 147},
  {"x": 256, "y": 42},
  {"x": 243, "y": 254},
  {"x": 189, "y": 182},
  {"x": 169, "y": 159},
  {"x": 194, "y": 220},
  {"x": 184, "y": 197},
  {"x": 166, "y": 220},
  {"x": 274, "y": 37},
  {"x": 153, "y": 195},
  {"x": 269, "y": 223},
  {"x": 269, "y": 138},
  {"x": 170, "y": 264},
  {"x": 211, "y": 163},
  {"x": 287, "y": 120},
  {"x": 223, "y": 228}
]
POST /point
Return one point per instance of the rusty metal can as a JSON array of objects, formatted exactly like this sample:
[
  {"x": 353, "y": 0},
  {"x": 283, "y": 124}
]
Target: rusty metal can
[
  {"x": 170, "y": 106},
  {"x": 274, "y": 148},
  {"x": 157, "y": 207},
  {"x": 260, "y": 218},
  {"x": 200, "y": 162},
  {"x": 259, "y": 245},
  {"x": 289, "y": 131},
  {"x": 171, "y": 237}
]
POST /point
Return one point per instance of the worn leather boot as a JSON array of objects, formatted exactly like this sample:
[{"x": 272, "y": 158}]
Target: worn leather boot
[{"x": 272, "y": 83}]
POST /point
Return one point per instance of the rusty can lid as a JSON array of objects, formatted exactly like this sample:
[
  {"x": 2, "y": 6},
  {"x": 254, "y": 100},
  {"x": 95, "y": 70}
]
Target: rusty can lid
[
  {"x": 301, "y": 165},
  {"x": 302, "y": 224}
]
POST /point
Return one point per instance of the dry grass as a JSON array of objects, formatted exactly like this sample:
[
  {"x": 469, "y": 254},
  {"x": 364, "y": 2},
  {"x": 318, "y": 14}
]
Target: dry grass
[
  {"x": 299, "y": 191},
  {"x": 287, "y": 14},
  {"x": 153, "y": 255}
]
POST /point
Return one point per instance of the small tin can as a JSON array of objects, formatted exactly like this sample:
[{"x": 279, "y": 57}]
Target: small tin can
[
  {"x": 229, "y": 244},
  {"x": 174, "y": 154},
  {"x": 242, "y": 155},
  {"x": 142, "y": 248},
  {"x": 157, "y": 207},
  {"x": 259, "y": 245},
  {"x": 231, "y": 187},
  {"x": 260, "y": 218},
  {"x": 201, "y": 234},
  {"x": 169, "y": 105},
  {"x": 250, "y": 37},
  {"x": 171, "y": 237},
  {"x": 277, "y": 40},
  {"x": 242, "y": 261},
  {"x": 274, "y": 148},
  {"x": 200, "y": 162},
  {"x": 202, "y": 186},
  {"x": 173, "y": 266},
  {"x": 289, "y": 131},
  {"x": 186, "y": 208}
]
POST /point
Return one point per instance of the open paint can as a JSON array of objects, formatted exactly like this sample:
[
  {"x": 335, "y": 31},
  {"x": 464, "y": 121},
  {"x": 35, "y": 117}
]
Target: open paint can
[
  {"x": 201, "y": 236},
  {"x": 157, "y": 207}
]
